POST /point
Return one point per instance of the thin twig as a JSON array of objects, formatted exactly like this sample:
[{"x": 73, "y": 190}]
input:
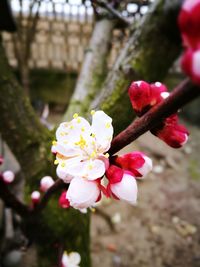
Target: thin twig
[
  {"x": 59, "y": 184},
  {"x": 181, "y": 95},
  {"x": 12, "y": 202},
  {"x": 113, "y": 11}
]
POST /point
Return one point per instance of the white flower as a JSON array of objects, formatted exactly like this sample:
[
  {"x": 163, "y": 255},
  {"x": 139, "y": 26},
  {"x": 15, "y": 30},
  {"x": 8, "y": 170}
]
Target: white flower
[
  {"x": 71, "y": 260},
  {"x": 45, "y": 183},
  {"x": 81, "y": 148},
  {"x": 126, "y": 189},
  {"x": 82, "y": 193},
  {"x": 8, "y": 177}
]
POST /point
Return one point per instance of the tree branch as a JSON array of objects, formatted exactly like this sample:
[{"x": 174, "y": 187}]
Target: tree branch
[
  {"x": 59, "y": 184},
  {"x": 12, "y": 202},
  {"x": 116, "y": 14},
  {"x": 181, "y": 95},
  {"x": 143, "y": 57}
]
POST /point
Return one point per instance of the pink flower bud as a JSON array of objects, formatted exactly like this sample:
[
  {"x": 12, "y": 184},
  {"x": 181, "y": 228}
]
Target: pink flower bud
[
  {"x": 114, "y": 174},
  {"x": 35, "y": 197},
  {"x": 135, "y": 162},
  {"x": 191, "y": 64},
  {"x": 8, "y": 177},
  {"x": 45, "y": 183},
  {"x": 189, "y": 21},
  {"x": 63, "y": 201},
  {"x": 82, "y": 193},
  {"x": 126, "y": 189}
]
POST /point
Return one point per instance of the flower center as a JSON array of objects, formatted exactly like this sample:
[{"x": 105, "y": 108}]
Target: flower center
[{"x": 81, "y": 143}]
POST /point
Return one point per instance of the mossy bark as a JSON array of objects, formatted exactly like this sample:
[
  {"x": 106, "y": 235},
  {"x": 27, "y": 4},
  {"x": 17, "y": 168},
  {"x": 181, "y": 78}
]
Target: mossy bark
[
  {"x": 148, "y": 54},
  {"x": 54, "y": 228}
]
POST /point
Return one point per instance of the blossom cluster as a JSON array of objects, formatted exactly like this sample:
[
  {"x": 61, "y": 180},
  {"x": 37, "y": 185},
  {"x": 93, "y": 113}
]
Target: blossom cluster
[
  {"x": 7, "y": 176},
  {"x": 82, "y": 161},
  {"x": 189, "y": 21},
  {"x": 143, "y": 97}
]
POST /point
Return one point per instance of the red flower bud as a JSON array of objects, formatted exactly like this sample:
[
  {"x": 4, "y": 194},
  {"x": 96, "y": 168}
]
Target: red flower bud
[
  {"x": 63, "y": 201},
  {"x": 172, "y": 133},
  {"x": 191, "y": 64},
  {"x": 114, "y": 174},
  {"x": 189, "y": 23}
]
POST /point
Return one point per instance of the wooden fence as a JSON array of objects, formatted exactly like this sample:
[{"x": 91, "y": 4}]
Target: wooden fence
[{"x": 63, "y": 32}]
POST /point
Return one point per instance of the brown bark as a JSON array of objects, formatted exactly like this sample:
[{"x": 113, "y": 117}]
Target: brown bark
[{"x": 148, "y": 54}]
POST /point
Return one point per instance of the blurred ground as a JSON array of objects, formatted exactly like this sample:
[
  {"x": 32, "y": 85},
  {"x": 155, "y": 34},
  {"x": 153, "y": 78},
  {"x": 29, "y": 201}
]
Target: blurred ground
[{"x": 163, "y": 230}]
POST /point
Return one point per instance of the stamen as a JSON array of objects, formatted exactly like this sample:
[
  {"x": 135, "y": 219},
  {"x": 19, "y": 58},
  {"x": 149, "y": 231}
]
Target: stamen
[
  {"x": 56, "y": 162},
  {"x": 78, "y": 120},
  {"x": 63, "y": 164},
  {"x": 54, "y": 143},
  {"x": 75, "y": 115},
  {"x": 107, "y": 155},
  {"x": 90, "y": 167},
  {"x": 92, "y": 112},
  {"x": 93, "y": 135},
  {"x": 108, "y": 125},
  {"x": 83, "y": 129}
]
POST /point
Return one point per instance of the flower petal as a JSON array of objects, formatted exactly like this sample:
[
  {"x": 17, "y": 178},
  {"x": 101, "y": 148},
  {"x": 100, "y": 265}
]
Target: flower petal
[
  {"x": 102, "y": 129},
  {"x": 126, "y": 189},
  {"x": 71, "y": 131},
  {"x": 74, "y": 258},
  {"x": 82, "y": 193},
  {"x": 67, "y": 150}
]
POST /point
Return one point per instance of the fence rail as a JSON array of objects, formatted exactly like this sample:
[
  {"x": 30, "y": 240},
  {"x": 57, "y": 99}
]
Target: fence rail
[{"x": 63, "y": 32}]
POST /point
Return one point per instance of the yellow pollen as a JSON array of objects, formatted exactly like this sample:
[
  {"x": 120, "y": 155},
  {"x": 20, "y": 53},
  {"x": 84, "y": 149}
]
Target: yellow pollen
[
  {"x": 93, "y": 135},
  {"x": 54, "y": 143},
  {"x": 92, "y": 209},
  {"x": 108, "y": 125},
  {"x": 63, "y": 164},
  {"x": 93, "y": 142},
  {"x": 62, "y": 133},
  {"x": 71, "y": 127},
  {"x": 82, "y": 143},
  {"x": 75, "y": 115},
  {"x": 83, "y": 129},
  {"x": 90, "y": 167},
  {"x": 78, "y": 120},
  {"x": 56, "y": 162},
  {"x": 66, "y": 124},
  {"x": 107, "y": 155},
  {"x": 93, "y": 154},
  {"x": 92, "y": 112}
]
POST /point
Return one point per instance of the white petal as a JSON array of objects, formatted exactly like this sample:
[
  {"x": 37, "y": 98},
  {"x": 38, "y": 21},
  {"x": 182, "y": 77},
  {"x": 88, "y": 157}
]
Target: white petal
[
  {"x": 95, "y": 169},
  {"x": 147, "y": 166},
  {"x": 90, "y": 169},
  {"x": 196, "y": 63},
  {"x": 63, "y": 174},
  {"x": 65, "y": 259},
  {"x": 126, "y": 189},
  {"x": 67, "y": 150},
  {"x": 189, "y": 5},
  {"x": 82, "y": 193},
  {"x": 71, "y": 131},
  {"x": 102, "y": 129},
  {"x": 74, "y": 258}
]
